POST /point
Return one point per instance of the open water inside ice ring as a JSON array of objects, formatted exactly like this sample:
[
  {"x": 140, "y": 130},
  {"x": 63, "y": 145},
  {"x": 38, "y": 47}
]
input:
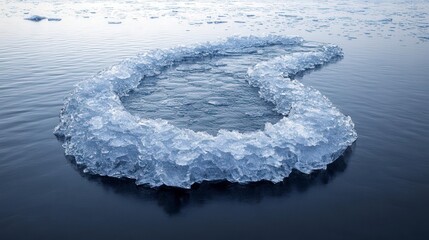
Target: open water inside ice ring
[{"x": 107, "y": 140}]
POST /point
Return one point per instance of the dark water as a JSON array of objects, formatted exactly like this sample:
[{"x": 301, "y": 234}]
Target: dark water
[
  {"x": 378, "y": 190},
  {"x": 208, "y": 94}
]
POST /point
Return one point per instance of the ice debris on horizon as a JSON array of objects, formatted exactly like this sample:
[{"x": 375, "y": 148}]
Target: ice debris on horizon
[
  {"x": 114, "y": 22},
  {"x": 35, "y": 18},
  {"x": 54, "y": 19},
  {"x": 107, "y": 140}
]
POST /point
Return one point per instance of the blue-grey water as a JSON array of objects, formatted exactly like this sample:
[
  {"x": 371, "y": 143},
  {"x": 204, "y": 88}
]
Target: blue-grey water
[
  {"x": 378, "y": 190},
  {"x": 208, "y": 94}
]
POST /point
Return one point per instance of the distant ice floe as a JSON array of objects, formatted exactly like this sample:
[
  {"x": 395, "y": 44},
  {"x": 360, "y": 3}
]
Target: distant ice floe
[
  {"x": 54, "y": 19},
  {"x": 107, "y": 140},
  {"x": 35, "y": 18}
]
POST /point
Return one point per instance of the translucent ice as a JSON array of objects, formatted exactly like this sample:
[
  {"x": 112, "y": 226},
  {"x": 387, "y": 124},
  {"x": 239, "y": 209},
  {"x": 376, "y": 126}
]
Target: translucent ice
[{"x": 107, "y": 140}]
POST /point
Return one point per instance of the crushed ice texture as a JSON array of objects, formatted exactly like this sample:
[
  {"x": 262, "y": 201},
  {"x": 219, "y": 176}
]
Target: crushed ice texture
[{"x": 107, "y": 140}]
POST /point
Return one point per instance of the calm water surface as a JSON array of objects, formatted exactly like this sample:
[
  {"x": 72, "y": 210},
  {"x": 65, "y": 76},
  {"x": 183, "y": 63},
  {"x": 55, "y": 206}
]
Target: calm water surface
[{"x": 378, "y": 190}]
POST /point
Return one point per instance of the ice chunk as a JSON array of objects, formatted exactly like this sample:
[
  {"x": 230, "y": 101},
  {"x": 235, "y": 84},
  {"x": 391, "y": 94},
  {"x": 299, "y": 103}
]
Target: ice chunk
[
  {"x": 386, "y": 20},
  {"x": 107, "y": 140},
  {"x": 35, "y": 18},
  {"x": 54, "y": 19}
]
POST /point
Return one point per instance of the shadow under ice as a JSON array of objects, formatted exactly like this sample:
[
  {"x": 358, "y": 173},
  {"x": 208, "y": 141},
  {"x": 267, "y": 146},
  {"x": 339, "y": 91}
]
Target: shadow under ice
[{"x": 174, "y": 200}]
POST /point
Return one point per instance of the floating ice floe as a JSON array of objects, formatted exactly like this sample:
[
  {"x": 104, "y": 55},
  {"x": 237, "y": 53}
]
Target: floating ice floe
[
  {"x": 54, "y": 19},
  {"x": 107, "y": 140},
  {"x": 35, "y": 18}
]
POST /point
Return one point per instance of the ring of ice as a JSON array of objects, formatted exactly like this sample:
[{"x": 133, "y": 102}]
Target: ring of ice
[{"x": 107, "y": 140}]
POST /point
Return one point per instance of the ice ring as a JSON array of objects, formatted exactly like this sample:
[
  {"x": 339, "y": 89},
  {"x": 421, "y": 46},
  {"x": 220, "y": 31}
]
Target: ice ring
[{"x": 106, "y": 139}]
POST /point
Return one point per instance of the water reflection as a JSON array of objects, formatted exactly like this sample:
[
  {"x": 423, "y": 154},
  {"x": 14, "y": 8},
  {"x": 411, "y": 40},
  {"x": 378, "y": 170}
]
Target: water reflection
[{"x": 174, "y": 200}]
